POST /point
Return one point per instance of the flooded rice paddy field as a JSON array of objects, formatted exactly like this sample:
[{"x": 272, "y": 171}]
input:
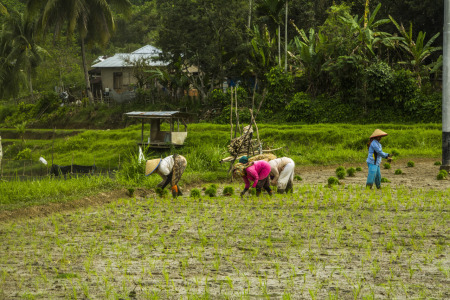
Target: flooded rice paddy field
[{"x": 343, "y": 242}]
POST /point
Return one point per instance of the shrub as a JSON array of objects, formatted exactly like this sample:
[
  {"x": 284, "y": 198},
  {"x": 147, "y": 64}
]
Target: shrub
[
  {"x": 195, "y": 193},
  {"x": 228, "y": 191},
  {"x": 332, "y": 181},
  {"x": 398, "y": 172},
  {"x": 437, "y": 163},
  {"x": 387, "y": 165},
  {"x": 358, "y": 169},
  {"x": 211, "y": 190},
  {"x": 340, "y": 174},
  {"x": 442, "y": 175},
  {"x": 410, "y": 164},
  {"x": 351, "y": 172},
  {"x": 24, "y": 154},
  {"x": 385, "y": 180}
]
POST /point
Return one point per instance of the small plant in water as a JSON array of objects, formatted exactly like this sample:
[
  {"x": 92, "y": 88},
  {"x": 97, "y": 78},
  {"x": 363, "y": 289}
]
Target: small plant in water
[
  {"x": 395, "y": 153},
  {"x": 387, "y": 165},
  {"x": 228, "y": 191},
  {"x": 410, "y": 164},
  {"x": 358, "y": 169},
  {"x": 398, "y": 172},
  {"x": 298, "y": 178},
  {"x": 332, "y": 181},
  {"x": 161, "y": 192},
  {"x": 437, "y": 163},
  {"x": 351, "y": 172},
  {"x": 442, "y": 175},
  {"x": 195, "y": 193},
  {"x": 211, "y": 190},
  {"x": 131, "y": 192},
  {"x": 340, "y": 174},
  {"x": 385, "y": 180}
]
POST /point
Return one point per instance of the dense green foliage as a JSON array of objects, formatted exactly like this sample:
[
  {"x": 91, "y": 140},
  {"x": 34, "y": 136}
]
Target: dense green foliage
[{"x": 339, "y": 61}]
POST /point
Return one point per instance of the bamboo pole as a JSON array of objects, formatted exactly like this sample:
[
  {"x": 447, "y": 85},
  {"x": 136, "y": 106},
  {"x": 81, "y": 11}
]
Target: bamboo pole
[
  {"x": 231, "y": 115},
  {"x": 237, "y": 115}
]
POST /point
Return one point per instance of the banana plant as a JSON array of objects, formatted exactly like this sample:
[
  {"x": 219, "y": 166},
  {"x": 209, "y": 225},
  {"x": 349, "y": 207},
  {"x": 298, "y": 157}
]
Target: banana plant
[
  {"x": 418, "y": 50},
  {"x": 367, "y": 36},
  {"x": 262, "y": 52},
  {"x": 307, "y": 55}
]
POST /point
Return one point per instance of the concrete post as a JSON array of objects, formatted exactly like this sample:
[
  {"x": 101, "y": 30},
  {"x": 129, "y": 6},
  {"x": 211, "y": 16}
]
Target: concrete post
[{"x": 446, "y": 91}]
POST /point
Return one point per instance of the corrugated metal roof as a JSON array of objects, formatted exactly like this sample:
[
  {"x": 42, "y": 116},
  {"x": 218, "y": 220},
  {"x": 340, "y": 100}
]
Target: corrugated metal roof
[
  {"x": 156, "y": 114},
  {"x": 118, "y": 60}
]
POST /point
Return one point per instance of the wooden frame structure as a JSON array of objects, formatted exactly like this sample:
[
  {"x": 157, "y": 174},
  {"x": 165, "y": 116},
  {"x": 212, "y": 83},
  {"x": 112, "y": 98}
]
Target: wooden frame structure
[{"x": 156, "y": 137}]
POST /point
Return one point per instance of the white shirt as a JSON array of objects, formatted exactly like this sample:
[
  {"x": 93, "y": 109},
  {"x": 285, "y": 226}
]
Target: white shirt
[{"x": 166, "y": 165}]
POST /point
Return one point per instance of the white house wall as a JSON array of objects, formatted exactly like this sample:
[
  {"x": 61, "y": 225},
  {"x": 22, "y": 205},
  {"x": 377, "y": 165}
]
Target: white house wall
[{"x": 108, "y": 79}]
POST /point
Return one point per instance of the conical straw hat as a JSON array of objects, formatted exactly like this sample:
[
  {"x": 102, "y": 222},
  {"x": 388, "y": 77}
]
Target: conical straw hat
[
  {"x": 378, "y": 133},
  {"x": 151, "y": 166}
]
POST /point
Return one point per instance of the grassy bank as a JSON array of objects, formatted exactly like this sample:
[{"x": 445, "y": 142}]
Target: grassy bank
[{"x": 323, "y": 144}]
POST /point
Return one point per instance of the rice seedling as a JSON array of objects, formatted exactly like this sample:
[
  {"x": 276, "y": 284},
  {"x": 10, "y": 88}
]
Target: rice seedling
[
  {"x": 332, "y": 181},
  {"x": 358, "y": 169},
  {"x": 351, "y": 172},
  {"x": 227, "y": 247},
  {"x": 398, "y": 172},
  {"x": 410, "y": 164},
  {"x": 211, "y": 191},
  {"x": 442, "y": 175},
  {"x": 228, "y": 191},
  {"x": 437, "y": 163},
  {"x": 387, "y": 166}
]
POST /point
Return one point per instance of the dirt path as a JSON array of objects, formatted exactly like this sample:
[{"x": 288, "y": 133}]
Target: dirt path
[{"x": 422, "y": 175}]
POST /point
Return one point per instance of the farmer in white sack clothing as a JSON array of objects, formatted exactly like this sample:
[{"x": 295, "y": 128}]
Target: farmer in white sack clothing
[
  {"x": 170, "y": 169},
  {"x": 282, "y": 174}
]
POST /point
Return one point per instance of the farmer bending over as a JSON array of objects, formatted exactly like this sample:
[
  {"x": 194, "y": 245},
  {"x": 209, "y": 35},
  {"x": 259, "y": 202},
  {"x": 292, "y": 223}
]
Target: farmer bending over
[
  {"x": 170, "y": 169},
  {"x": 282, "y": 174},
  {"x": 257, "y": 171}
]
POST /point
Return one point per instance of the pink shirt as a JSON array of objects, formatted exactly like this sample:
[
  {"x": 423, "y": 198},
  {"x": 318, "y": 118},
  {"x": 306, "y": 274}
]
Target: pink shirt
[{"x": 258, "y": 171}]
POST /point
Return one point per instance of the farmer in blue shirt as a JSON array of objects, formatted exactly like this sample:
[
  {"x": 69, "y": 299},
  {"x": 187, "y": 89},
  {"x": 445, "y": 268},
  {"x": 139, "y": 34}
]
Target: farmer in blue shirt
[{"x": 374, "y": 158}]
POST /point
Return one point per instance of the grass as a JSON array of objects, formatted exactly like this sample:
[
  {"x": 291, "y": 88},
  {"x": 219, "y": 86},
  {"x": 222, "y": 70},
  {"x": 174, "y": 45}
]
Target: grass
[
  {"x": 342, "y": 242},
  {"x": 320, "y": 144},
  {"x": 19, "y": 194}
]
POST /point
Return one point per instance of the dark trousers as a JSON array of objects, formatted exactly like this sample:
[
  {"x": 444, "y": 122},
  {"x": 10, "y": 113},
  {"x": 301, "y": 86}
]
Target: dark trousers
[{"x": 263, "y": 184}]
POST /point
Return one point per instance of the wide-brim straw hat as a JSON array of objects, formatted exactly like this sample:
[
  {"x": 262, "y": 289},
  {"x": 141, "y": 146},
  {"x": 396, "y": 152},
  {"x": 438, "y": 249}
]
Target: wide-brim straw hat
[
  {"x": 151, "y": 166},
  {"x": 378, "y": 133}
]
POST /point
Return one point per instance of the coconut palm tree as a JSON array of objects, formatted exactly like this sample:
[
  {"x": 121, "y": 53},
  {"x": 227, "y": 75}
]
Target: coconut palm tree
[
  {"x": 20, "y": 55},
  {"x": 24, "y": 53},
  {"x": 92, "y": 20}
]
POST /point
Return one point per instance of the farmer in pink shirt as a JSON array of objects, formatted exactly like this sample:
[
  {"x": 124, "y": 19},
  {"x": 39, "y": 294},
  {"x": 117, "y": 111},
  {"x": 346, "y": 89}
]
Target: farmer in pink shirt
[{"x": 258, "y": 172}]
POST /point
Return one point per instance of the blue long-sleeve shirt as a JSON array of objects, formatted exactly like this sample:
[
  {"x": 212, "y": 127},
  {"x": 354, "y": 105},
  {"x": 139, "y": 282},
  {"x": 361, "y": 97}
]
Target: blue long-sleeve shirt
[{"x": 375, "y": 147}]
